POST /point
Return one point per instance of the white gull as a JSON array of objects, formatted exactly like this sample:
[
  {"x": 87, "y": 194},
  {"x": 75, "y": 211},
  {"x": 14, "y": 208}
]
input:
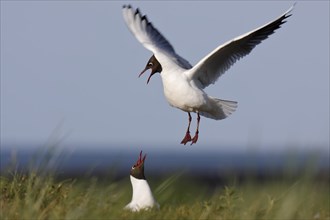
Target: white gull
[
  {"x": 142, "y": 198},
  {"x": 183, "y": 83}
]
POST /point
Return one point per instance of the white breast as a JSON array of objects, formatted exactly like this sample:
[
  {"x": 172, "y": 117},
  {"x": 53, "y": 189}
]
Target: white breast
[
  {"x": 181, "y": 92},
  {"x": 142, "y": 196}
]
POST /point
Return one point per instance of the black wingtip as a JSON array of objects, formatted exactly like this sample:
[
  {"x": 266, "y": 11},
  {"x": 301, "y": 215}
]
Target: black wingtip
[
  {"x": 137, "y": 12},
  {"x": 286, "y": 15},
  {"x": 289, "y": 12},
  {"x": 144, "y": 17},
  {"x": 127, "y": 6}
]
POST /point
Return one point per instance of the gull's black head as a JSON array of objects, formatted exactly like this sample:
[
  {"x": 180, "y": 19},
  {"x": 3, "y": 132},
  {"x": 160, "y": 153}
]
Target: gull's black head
[
  {"x": 138, "y": 168},
  {"x": 154, "y": 65}
]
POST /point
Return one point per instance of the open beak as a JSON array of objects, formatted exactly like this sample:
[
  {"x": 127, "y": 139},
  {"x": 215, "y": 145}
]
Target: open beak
[
  {"x": 152, "y": 73},
  {"x": 141, "y": 160}
]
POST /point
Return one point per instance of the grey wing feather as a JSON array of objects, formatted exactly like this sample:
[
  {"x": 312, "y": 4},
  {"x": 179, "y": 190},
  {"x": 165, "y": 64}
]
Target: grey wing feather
[
  {"x": 210, "y": 68},
  {"x": 149, "y": 36}
]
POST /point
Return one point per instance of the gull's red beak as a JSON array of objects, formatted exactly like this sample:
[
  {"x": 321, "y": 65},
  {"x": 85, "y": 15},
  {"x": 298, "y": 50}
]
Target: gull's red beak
[
  {"x": 152, "y": 73},
  {"x": 140, "y": 161}
]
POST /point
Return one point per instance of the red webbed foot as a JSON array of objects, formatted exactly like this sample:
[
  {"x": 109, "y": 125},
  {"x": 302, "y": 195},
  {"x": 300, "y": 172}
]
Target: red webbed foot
[
  {"x": 194, "y": 139},
  {"x": 186, "y": 138}
]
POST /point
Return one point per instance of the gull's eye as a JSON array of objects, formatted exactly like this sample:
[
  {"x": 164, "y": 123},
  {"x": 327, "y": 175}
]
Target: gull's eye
[{"x": 150, "y": 64}]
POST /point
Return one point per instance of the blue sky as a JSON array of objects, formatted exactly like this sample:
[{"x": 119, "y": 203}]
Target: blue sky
[{"x": 70, "y": 70}]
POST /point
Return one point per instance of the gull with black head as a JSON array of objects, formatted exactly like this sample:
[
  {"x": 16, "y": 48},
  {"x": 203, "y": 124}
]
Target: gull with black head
[
  {"x": 183, "y": 83},
  {"x": 142, "y": 198}
]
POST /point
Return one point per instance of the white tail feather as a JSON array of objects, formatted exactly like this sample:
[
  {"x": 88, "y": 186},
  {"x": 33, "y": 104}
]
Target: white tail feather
[{"x": 221, "y": 109}]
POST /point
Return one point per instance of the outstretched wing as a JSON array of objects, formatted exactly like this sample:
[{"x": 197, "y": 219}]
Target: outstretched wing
[
  {"x": 150, "y": 37},
  {"x": 211, "y": 67}
]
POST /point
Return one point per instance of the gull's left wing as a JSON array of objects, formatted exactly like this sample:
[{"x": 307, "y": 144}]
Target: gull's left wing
[{"x": 216, "y": 63}]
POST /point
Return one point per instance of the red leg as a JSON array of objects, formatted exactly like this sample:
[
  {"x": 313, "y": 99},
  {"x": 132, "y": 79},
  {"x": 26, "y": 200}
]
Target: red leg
[
  {"x": 187, "y": 137},
  {"x": 195, "y": 138}
]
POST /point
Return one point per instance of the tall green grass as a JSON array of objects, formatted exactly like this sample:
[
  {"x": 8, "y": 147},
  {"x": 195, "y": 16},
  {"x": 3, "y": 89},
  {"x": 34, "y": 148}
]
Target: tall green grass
[
  {"x": 39, "y": 194},
  {"x": 30, "y": 196}
]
